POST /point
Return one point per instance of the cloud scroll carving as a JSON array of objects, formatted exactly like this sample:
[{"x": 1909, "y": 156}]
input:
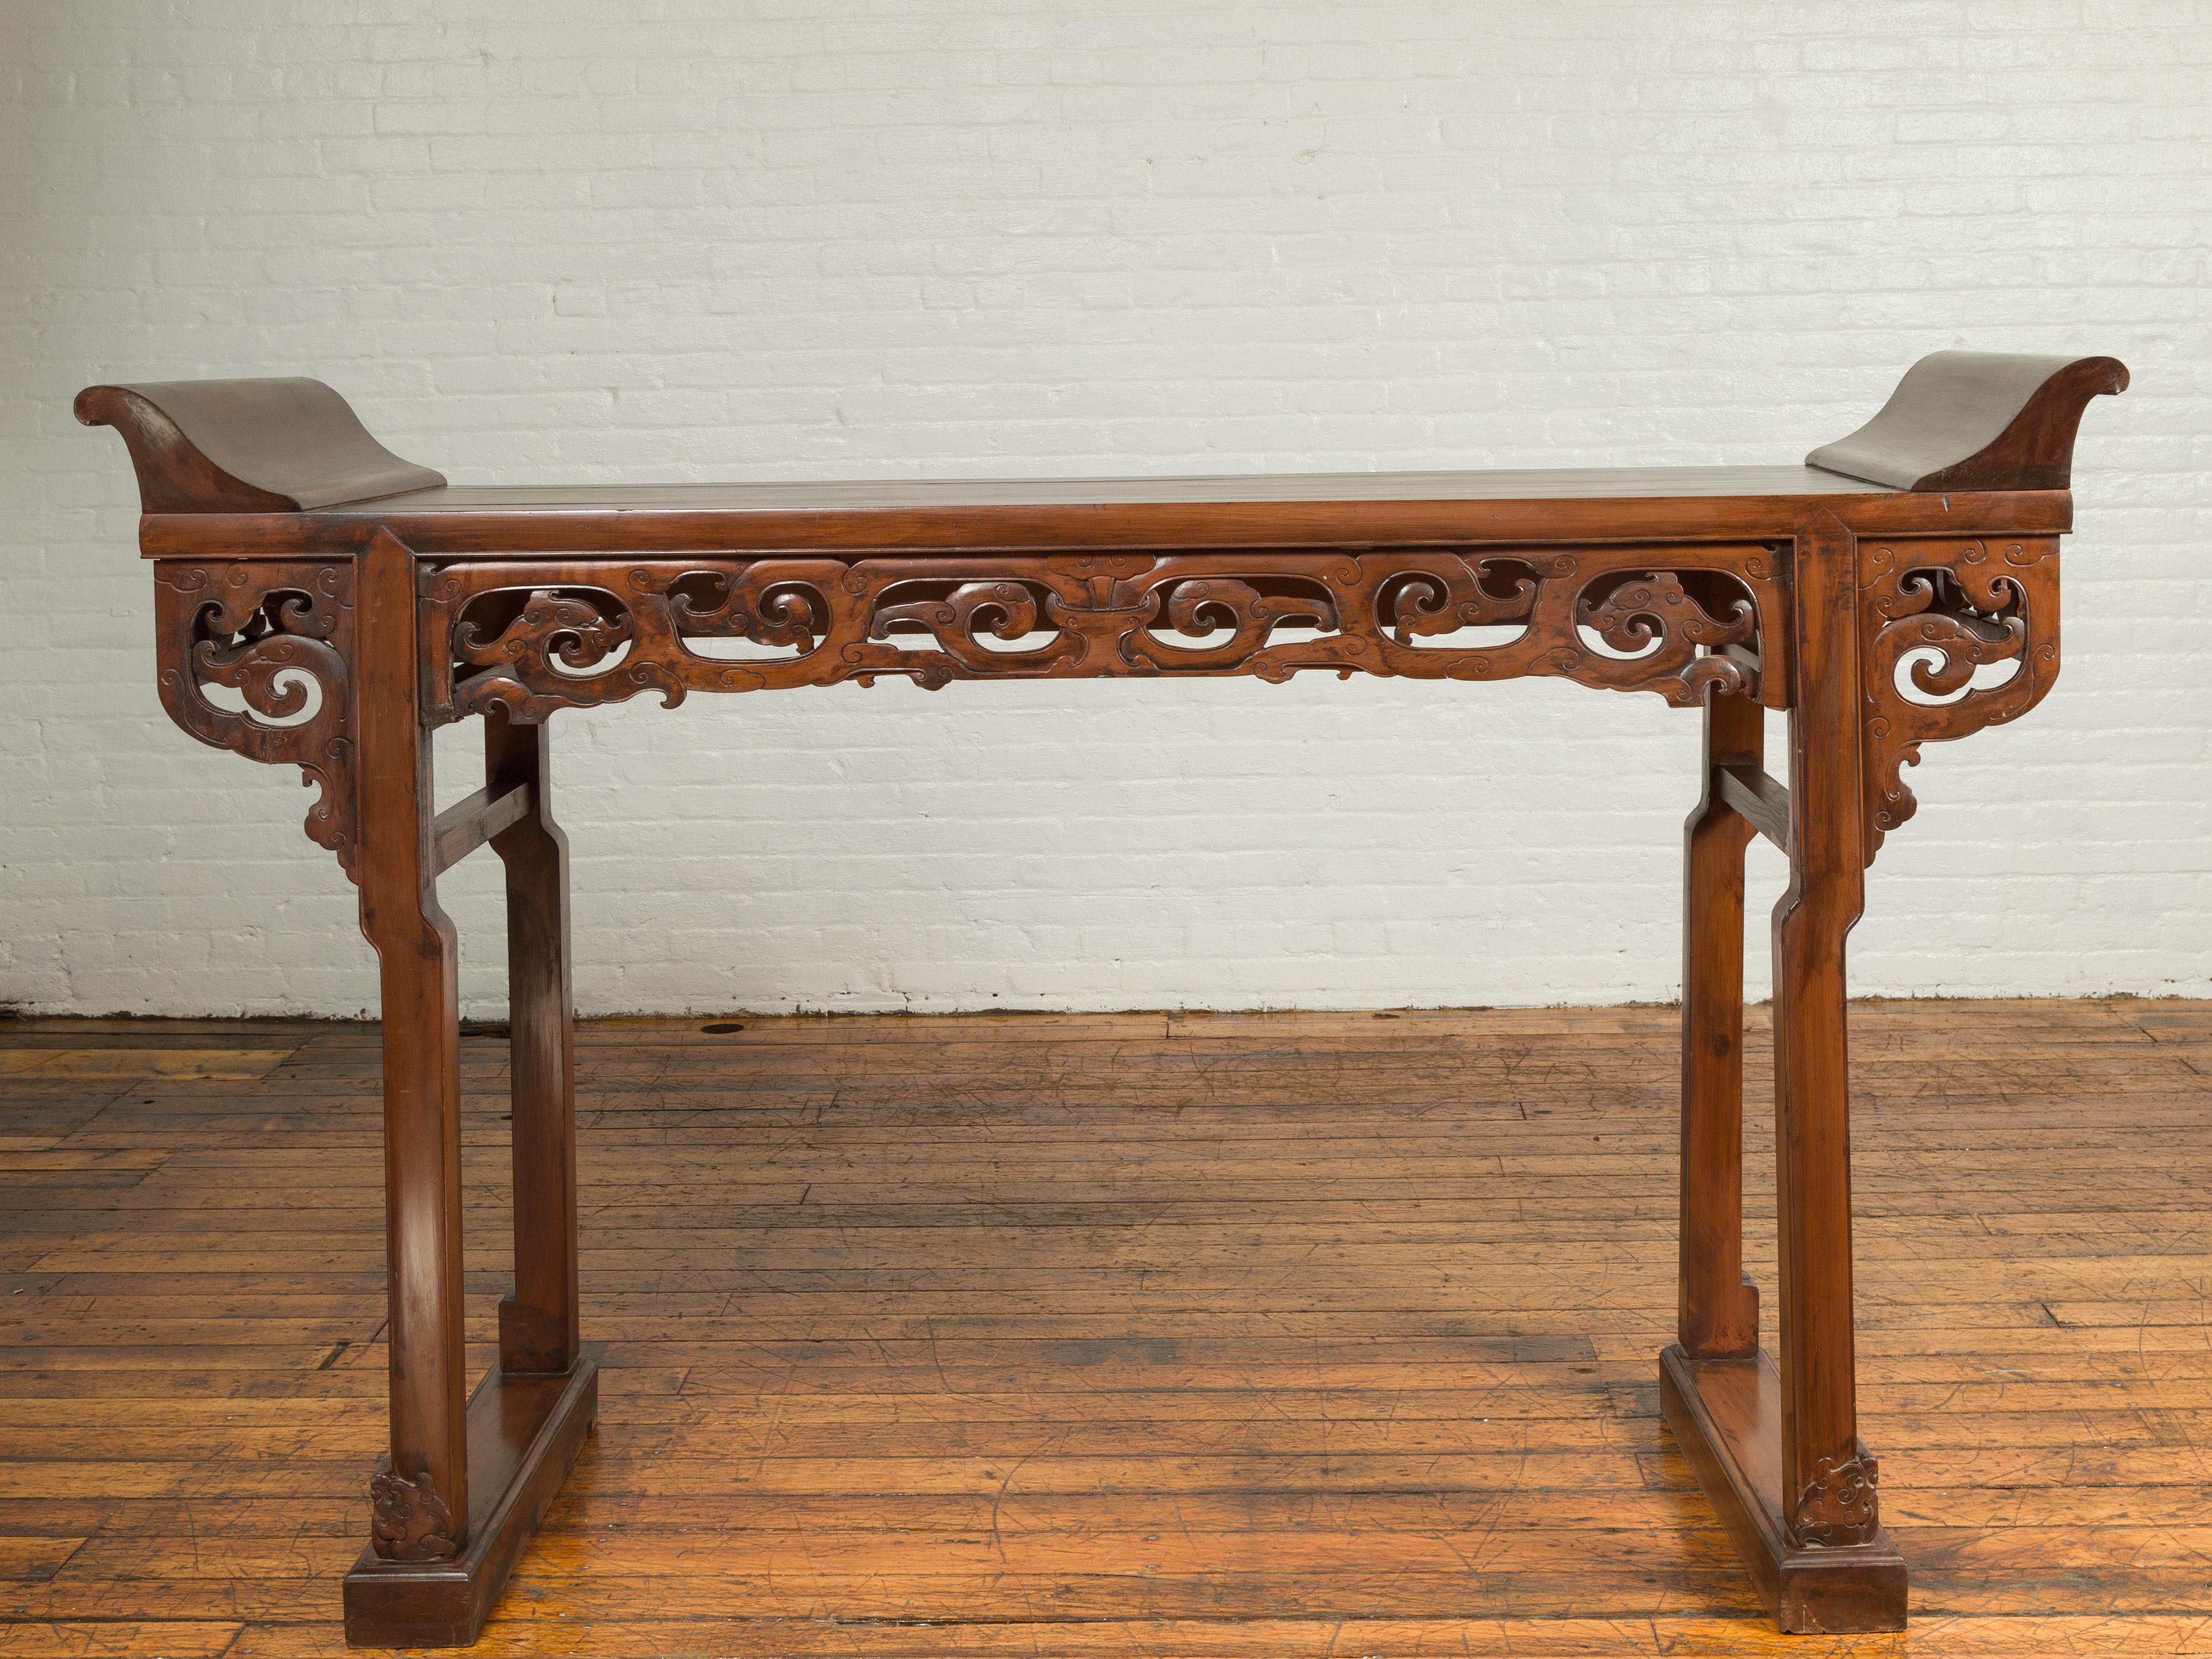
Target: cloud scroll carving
[
  {"x": 278, "y": 637},
  {"x": 1933, "y": 614},
  {"x": 531, "y": 638}
]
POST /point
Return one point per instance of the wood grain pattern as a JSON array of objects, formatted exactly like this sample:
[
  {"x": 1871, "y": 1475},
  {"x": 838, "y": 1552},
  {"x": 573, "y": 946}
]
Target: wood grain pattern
[
  {"x": 1828, "y": 1481},
  {"x": 477, "y": 820},
  {"x": 1129, "y": 1335},
  {"x": 539, "y": 1329},
  {"x": 1729, "y": 590},
  {"x": 1718, "y": 1308},
  {"x": 422, "y": 1491}
]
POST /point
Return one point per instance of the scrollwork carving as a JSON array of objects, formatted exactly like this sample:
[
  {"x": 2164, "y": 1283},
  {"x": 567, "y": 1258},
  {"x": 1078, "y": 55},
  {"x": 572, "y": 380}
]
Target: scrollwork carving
[
  {"x": 532, "y": 637},
  {"x": 280, "y": 636},
  {"x": 1936, "y": 612},
  {"x": 1657, "y": 627},
  {"x": 408, "y": 1520},
  {"x": 1839, "y": 1505}
]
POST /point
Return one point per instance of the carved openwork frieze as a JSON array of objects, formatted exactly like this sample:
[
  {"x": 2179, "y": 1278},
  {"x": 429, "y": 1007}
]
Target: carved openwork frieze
[
  {"x": 407, "y": 1519},
  {"x": 531, "y": 636},
  {"x": 278, "y": 638},
  {"x": 1933, "y": 614},
  {"x": 1840, "y": 1504}
]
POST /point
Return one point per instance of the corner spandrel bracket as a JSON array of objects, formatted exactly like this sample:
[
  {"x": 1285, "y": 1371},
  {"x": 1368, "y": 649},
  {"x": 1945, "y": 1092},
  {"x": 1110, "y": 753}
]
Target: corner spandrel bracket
[
  {"x": 1934, "y": 613},
  {"x": 279, "y": 639}
]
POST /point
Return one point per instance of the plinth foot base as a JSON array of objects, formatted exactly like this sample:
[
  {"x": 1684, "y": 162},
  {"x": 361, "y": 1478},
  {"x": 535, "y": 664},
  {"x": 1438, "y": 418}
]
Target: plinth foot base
[
  {"x": 1727, "y": 1416},
  {"x": 524, "y": 1435}
]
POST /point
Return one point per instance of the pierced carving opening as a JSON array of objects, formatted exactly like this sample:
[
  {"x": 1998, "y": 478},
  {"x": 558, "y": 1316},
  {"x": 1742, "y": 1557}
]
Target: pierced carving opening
[
  {"x": 583, "y": 665},
  {"x": 1597, "y": 642},
  {"x": 1962, "y": 634},
  {"x": 1201, "y": 617},
  {"x": 1937, "y": 666},
  {"x": 1469, "y": 639},
  {"x": 532, "y": 639},
  {"x": 736, "y": 647},
  {"x": 1007, "y": 619},
  {"x": 253, "y": 661},
  {"x": 723, "y": 618},
  {"x": 1036, "y": 640},
  {"x": 1014, "y": 624},
  {"x": 571, "y": 632},
  {"x": 289, "y": 688},
  {"x": 1630, "y": 618},
  {"x": 1452, "y": 604},
  {"x": 264, "y": 661},
  {"x": 1956, "y": 643}
]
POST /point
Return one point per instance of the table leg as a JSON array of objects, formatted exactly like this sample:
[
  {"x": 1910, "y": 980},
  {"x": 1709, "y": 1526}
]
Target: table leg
[
  {"x": 1717, "y": 1309},
  {"x": 470, "y": 1477},
  {"x": 537, "y": 1324},
  {"x": 1777, "y": 1451},
  {"x": 422, "y": 1500},
  {"x": 1827, "y": 1480}
]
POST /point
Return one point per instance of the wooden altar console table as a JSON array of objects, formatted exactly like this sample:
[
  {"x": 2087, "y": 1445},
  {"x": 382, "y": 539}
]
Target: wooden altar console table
[{"x": 320, "y": 602}]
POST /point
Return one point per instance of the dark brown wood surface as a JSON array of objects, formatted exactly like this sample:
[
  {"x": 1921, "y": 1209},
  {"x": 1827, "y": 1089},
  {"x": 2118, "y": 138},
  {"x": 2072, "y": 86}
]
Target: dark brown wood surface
[{"x": 1141, "y": 1335}]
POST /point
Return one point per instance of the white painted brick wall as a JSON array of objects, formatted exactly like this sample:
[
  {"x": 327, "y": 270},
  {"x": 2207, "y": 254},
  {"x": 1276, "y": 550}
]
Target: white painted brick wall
[{"x": 580, "y": 239}]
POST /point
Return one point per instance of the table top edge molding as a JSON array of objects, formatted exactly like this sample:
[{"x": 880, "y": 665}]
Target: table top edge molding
[{"x": 1157, "y": 527}]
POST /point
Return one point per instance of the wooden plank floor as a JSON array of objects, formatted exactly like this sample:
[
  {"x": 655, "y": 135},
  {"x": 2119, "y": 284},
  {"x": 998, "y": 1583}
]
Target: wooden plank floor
[{"x": 1132, "y": 1335}]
